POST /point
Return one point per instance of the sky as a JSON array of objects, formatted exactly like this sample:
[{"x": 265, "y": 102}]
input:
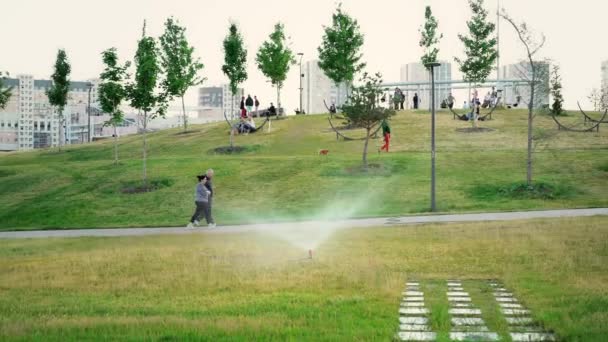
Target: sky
[{"x": 35, "y": 29}]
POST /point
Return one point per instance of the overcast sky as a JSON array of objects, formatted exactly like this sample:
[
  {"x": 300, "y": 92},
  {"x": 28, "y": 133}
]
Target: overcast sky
[{"x": 35, "y": 29}]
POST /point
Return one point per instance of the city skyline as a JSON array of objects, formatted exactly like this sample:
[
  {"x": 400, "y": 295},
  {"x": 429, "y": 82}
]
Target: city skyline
[{"x": 390, "y": 29}]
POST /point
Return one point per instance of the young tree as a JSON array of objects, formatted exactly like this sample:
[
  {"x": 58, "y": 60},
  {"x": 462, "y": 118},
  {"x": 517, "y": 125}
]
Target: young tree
[
  {"x": 598, "y": 99},
  {"x": 361, "y": 108},
  {"x": 235, "y": 63},
  {"x": 480, "y": 46},
  {"x": 532, "y": 45},
  {"x": 181, "y": 68},
  {"x": 5, "y": 93},
  {"x": 275, "y": 58},
  {"x": 556, "y": 91},
  {"x": 339, "y": 53},
  {"x": 58, "y": 92},
  {"x": 143, "y": 91},
  {"x": 112, "y": 91},
  {"x": 429, "y": 38}
]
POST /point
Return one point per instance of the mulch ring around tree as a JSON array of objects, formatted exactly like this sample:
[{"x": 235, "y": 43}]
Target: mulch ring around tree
[
  {"x": 372, "y": 169},
  {"x": 138, "y": 187},
  {"x": 188, "y": 132},
  {"x": 475, "y": 130},
  {"x": 227, "y": 150}
]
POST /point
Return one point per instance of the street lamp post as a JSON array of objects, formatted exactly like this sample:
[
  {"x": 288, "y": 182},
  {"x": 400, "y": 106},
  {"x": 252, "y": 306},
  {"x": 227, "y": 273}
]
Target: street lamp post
[
  {"x": 90, "y": 85},
  {"x": 431, "y": 66},
  {"x": 301, "y": 54}
]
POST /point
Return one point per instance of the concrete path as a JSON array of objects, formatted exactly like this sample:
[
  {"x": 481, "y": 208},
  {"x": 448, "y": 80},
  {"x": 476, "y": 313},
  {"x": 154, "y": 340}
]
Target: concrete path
[{"x": 304, "y": 225}]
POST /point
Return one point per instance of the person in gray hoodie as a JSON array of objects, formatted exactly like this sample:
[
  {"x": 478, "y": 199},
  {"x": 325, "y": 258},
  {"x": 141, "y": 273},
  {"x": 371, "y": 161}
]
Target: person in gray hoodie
[{"x": 201, "y": 199}]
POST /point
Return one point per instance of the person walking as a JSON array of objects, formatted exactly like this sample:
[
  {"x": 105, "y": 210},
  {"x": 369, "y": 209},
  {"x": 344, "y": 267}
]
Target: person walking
[
  {"x": 402, "y": 98},
  {"x": 396, "y": 98},
  {"x": 202, "y": 202},
  {"x": 256, "y": 103},
  {"x": 386, "y": 132},
  {"x": 209, "y": 185},
  {"x": 249, "y": 104},
  {"x": 416, "y": 100}
]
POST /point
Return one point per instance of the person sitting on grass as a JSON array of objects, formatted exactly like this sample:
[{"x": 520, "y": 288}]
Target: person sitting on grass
[{"x": 201, "y": 201}]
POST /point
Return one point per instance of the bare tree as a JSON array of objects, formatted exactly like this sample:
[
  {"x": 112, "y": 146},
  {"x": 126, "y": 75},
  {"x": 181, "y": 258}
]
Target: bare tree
[{"x": 532, "y": 43}]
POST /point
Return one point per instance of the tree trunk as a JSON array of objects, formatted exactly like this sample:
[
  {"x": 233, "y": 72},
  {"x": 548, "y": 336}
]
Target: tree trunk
[
  {"x": 232, "y": 128},
  {"x": 61, "y": 137},
  {"x": 368, "y": 131},
  {"x": 279, "y": 100},
  {"x": 185, "y": 116},
  {"x": 115, "y": 146},
  {"x": 145, "y": 126},
  {"x": 530, "y": 118}
]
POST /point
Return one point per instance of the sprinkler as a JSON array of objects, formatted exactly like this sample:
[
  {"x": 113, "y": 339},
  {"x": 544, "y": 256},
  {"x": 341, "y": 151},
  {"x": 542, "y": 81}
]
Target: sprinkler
[{"x": 310, "y": 254}]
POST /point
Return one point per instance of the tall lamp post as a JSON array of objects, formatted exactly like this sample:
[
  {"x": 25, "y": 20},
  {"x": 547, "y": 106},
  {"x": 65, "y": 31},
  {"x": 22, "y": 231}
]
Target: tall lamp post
[
  {"x": 301, "y": 54},
  {"x": 431, "y": 66},
  {"x": 90, "y": 85}
]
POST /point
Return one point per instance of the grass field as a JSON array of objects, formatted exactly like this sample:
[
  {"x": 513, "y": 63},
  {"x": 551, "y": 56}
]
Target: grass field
[
  {"x": 282, "y": 176},
  {"x": 258, "y": 287}
]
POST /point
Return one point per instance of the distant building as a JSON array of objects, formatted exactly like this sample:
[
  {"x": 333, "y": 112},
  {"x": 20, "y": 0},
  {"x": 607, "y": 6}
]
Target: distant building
[
  {"x": 29, "y": 121},
  {"x": 605, "y": 75},
  {"x": 523, "y": 71},
  {"x": 418, "y": 73},
  {"x": 212, "y": 101},
  {"x": 318, "y": 88}
]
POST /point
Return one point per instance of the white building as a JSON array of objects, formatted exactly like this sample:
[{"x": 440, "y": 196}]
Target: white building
[
  {"x": 523, "y": 71},
  {"x": 605, "y": 74},
  {"x": 417, "y": 72},
  {"x": 29, "y": 121},
  {"x": 227, "y": 100},
  {"x": 318, "y": 88}
]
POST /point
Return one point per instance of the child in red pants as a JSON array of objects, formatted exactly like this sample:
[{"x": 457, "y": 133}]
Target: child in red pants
[{"x": 386, "y": 132}]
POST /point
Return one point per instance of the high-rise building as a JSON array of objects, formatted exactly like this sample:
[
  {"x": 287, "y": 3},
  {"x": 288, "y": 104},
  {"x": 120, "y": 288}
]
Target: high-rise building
[
  {"x": 521, "y": 92},
  {"x": 418, "y": 73},
  {"x": 213, "y": 101},
  {"x": 318, "y": 88},
  {"x": 29, "y": 121}
]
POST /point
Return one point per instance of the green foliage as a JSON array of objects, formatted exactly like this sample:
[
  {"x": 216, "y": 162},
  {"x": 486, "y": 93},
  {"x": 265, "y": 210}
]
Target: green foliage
[
  {"x": 556, "y": 91},
  {"x": 429, "y": 38},
  {"x": 5, "y": 93},
  {"x": 143, "y": 91},
  {"x": 339, "y": 55},
  {"x": 60, "y": 83},
  {"x": 275, "y": 57},
  {"x": 181, "y": 68},
  {"x": 235, "y": 58},
  {"x": 480, "y": 46},
  {"x": 112, "y": 90},
  {"x": 361, "y": 109}
]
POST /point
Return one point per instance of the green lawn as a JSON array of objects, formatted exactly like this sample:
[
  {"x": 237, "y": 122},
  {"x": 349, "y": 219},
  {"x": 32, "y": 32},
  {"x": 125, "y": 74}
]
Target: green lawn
[
  {"x": 282, "y": 176},
  {"x": 259, "y": 287}
]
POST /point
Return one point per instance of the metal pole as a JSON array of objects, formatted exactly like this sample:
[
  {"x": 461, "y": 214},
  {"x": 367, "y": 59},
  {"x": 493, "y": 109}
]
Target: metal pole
[
  {"x": 431, "y": 67},
  {"x": 89, "y": 113},
  {"x": 498, "y": 43},
  {"x": 301, "y": 54}
]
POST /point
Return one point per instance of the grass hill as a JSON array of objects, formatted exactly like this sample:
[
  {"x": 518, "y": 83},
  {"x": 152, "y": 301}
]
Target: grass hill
[{"x": 281, "y": 176}]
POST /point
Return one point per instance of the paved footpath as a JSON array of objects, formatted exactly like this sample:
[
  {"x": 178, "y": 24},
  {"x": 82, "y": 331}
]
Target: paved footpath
[{"x": 335, "y": 224}]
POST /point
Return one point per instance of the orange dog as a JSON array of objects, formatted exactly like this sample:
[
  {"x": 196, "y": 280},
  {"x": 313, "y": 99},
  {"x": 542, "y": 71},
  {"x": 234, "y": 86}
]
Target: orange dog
[{"x": 323, "y": 152}]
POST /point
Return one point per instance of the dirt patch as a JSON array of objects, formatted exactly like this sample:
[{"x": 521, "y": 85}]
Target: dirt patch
[
  {"x": 138, "y": 187},
  {"x": 188, "y": 132},
  {"x": 475, "y": 130},
  {"x": 227, "y": 150}
]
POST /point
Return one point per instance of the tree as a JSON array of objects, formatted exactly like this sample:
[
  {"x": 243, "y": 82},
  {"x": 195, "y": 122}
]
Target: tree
[
  {"x": 180, "y": 67},
  {"x": 58, "y": 91},
  {"x": 5, "y": 93},
  {"x": 429, "y": 38},
  {"x": 235, "y": 63},
  {"x": 361, "y": 108},
  {"x": 112, "y": 91},
  {"x": 480, "y": 47},
  {"x": 275, "y": 58},
  {"x": 532, "y": 45},
  {"x": 556, "y": 91},
  {"x": 339, "y": 53},
  {"x": 598, "y": 99},
  {"x": 143, "y": 91}
]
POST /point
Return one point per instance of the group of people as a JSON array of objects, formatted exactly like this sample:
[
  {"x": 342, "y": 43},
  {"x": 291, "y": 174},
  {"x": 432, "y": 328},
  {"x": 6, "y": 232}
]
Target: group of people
[
  {"x": 247, "y": 125},
  {"x": 247, "y": 105},
  {"x": 398, "y": 99},
  {"x": 203, "y": 200}
]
